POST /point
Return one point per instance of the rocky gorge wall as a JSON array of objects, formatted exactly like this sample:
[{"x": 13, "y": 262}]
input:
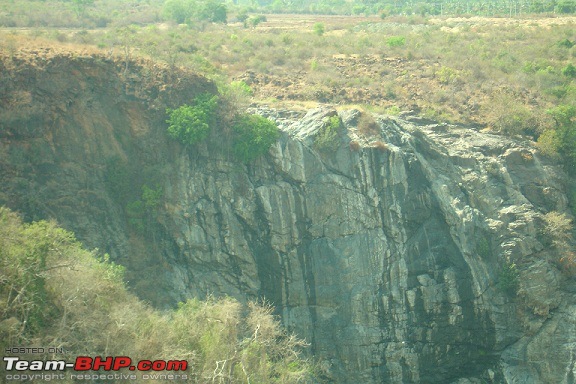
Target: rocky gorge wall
[{"x": 385, "y": 254}]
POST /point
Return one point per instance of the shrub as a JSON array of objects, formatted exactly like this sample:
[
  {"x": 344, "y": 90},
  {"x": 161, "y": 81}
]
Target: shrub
[
  {"x": 178, "y": 10},
  {"x": 242, "y": 15},
  {"x": 354, "y": 146},
  {"x": 565, "y": 43},
  {"x": 319, "y": 29},
  {"x": 518, "y": 121},
  {"x": 508, "y": 278},
  {"x": 447, "y": 75},
  {"x": 314, "y": 65},
  {"x": 253, "y": 136},
  {"x": 367, "y": 125},
  {"x": 511, "y": 117},
  {"x": 393, "y": 110},
  {"x": 237, "y": 93},
  {"x": 255, "y": 20},
  {"x": 241, "y": 87},
  {"x": 567, "y": 263},
  {"x": 565, "y": 7},
  {"x": 557, "y": 91},
  {"x": 563, "y": 115},
  {"x": 563, "y": 138},
  {"x": 140, "y": 212},
  {"x": 287, "y": 39},
  {"x": 483, "y": 247},
  {"x": 182, "y": 11},
  {"x": 191, "y": 124},
  {"x": 558, "y": 227},
  {"x": 569, "y": 71},
  {"x": 396, "y": 41},
  {"x": 326, "y": 139},
  {"x": 151, "y": 197},
  {"x": 212, "y": 10}
]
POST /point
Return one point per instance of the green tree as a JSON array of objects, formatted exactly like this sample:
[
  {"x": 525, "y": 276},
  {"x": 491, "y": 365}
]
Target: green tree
[
  {"x": 565, "y": 7},
  {"x": 179, "y": 11},
  {"x": 569, "y": 71},
  {"x": 190, "y": 124},
  {"x": 212, "y": 10},
  {"x": 151, "y": 197},
  {"x": 183, "y": 11},
  {"x": 255, "y": 20},
  {"x": 253, "y": 136},
  {"x": 508, "y": 278},
  {"x": 242, "y": 15},
  {"x": 127, "y": 37},
  {"x": 319, "y": 29},
  {"x": 81, "y": 5},
  {"x": 141, "y": 212},
  {"x": 565, "y": 135},
  {"x": 565, "y": 43}
]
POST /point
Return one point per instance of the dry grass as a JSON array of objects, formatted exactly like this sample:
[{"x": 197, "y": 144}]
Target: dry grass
[{"x": 451, "y": 69}]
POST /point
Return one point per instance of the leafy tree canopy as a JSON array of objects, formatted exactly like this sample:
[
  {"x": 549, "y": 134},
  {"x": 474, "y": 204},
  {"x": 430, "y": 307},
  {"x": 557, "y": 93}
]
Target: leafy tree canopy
[
  {"x": 253, "y": 136},
  {"x": 183, "y": 11},
  {"x": 190, "y": 124}
]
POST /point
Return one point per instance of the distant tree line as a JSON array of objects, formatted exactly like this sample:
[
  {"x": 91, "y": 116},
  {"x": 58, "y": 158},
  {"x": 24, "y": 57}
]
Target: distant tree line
[
  {"x": 106, "y": 13},
  {"x": 186, "y": 11},
  {"x": 408, "y": 7}
]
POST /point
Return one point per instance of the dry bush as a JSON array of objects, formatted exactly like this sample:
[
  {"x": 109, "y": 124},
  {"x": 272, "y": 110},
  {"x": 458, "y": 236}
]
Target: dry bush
[
  {"x": 54, "y": 293},
  {"x": 367, "y": 125},
  {"x": 507, "y": 114},
  {"x": 548, "y": 144},
  {"x": 558, "y": 226},
  {"x": 567, "y": 263},
  {"x": 354, "y": 146}
]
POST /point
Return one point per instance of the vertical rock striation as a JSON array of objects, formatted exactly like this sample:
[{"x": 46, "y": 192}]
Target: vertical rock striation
[{"x": 387, "y": 256}]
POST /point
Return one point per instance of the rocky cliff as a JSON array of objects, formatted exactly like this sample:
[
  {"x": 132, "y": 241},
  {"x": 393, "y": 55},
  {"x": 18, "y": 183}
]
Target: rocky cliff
[{"x": 389, "y": 255}]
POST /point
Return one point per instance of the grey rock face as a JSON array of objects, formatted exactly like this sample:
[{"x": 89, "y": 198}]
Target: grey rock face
[
  {"x": 386, "y": 255},
  {"x": 386, "y": 258}
]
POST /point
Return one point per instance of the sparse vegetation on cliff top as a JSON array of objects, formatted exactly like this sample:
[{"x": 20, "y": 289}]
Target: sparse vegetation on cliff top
[{"x": 475, "y": 70}]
